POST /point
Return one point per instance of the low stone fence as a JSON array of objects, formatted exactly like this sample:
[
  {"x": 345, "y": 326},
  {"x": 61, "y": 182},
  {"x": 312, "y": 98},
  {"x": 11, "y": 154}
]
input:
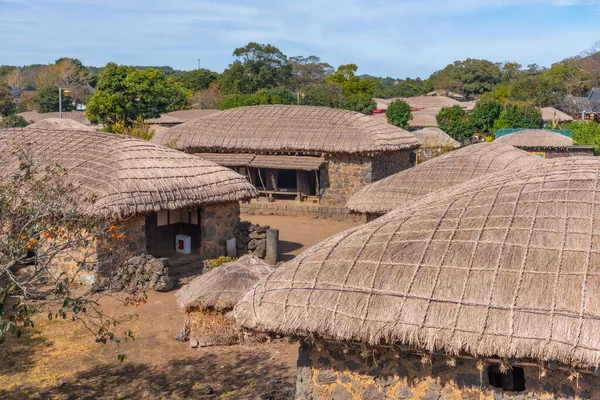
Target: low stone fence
[
  {"x": 301, "y": 210},
  {"x": 251, "y": 239},
  {"x": 144, "y": 271}
]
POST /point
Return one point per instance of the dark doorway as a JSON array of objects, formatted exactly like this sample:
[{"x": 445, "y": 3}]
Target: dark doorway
[
  {"x": 160, "y": 240},
  {"x": 286, "y": 179},
  {"x": 512, "y": 380}
]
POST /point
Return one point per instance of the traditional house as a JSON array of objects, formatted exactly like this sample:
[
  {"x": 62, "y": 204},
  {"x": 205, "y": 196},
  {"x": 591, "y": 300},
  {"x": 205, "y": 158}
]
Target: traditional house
[
  {"x": 207, "y": 300},
  {"x": 298, "y": 151},
  {"x": 167, "y": 203},
  {"x": 484, "y": 291},
  {"x": 553, "y": 116},
  {"x": 34, "y": 116},
  {"x": 61, "y": 124},
  {"x": 544, "y": 143},
  {"x": 434, "y": 142},
  {"x": 405, "y": 188}
]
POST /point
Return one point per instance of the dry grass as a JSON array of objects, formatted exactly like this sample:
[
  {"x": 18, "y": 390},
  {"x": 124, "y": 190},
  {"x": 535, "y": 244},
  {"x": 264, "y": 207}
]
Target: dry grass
[{"x": 212, "y": 328}]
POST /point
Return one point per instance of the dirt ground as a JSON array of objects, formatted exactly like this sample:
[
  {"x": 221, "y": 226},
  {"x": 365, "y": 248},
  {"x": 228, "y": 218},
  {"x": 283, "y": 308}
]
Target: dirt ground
[{"x": 60, "y": 360}]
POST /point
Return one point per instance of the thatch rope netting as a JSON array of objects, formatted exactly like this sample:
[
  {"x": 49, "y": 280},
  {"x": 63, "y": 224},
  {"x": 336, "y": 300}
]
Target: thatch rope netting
[
  {"x": 507, "y": 267},
  {"x": 405, "y": 187},
  {"x": 283, "y": 128},
  {"x": 126, "y": 176},
  {"x": 432, "y": 138},
  {"x": 536, "y": 138},
  {"x": 60, "y": 124},
  {"x": 222, "y": 287}
]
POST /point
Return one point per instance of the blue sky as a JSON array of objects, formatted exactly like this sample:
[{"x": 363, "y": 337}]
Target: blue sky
[{"x": 384, "y": 37}]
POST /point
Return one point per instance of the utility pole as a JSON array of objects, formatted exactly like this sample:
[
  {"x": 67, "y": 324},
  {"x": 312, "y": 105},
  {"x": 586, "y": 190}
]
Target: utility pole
[
  {"x": 60, "y": 91},
  {"x": 198, "y": 63}
]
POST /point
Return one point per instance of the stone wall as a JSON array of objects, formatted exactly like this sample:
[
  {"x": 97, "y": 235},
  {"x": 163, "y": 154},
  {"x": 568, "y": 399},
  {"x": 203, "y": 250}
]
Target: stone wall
[
  {"x": 134, "y": 229},
  {"x": 251, "y": 239},
  {"x": 342, "y": 176},
  {"x": 391, "y": 162},
  {"x": 300, "y": 210},
  {"x": 217, "y": 224},
  {"x": 335, "y": 371}
]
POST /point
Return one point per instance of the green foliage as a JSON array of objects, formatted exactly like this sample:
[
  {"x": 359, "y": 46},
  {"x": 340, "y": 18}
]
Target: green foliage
[
  {"x": 519, "y": 115},
  {"x": 324, "y": 95},
  {"x": 309, "y": 70},
  {"x": 399, "y": 114},
  {"x": 217, "y": 262},
  {"x": 456, "y": 123},
  {"x": 257, "y": 67},
  {"x": 484, "y": 115},
  {"x": 585, "y": 133},
  {"x": 47, "y": 100},
  {"x": 124, "y": 94},
  {"x": 263, "y": 96},
  {"x": 469, "y": 77},
  {"x": 7, "y": 106},
  {"x": 13, "y": 121},
  {"x": 360, "y": 102},
  {"x": 138, "y": 129},
  {"x": 388, "y": 87},
  {"x": 199, "y": 79}
]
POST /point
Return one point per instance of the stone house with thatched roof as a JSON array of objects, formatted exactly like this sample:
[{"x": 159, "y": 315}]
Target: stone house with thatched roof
[
  {"x": 167, "y": 203},
  {"x": 545, "y": 143},
  {"x": 405, "y": 188},
  {"x": 297, "y": 151},
  {"x": 434, "y": 142},
  {"x": 487, "y": 290},
  {"x": 61, "y": 124}
]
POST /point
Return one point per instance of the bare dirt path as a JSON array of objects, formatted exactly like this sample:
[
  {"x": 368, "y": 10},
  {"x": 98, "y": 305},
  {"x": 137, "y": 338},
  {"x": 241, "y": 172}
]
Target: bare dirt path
[{"x": 59, "y": 359}]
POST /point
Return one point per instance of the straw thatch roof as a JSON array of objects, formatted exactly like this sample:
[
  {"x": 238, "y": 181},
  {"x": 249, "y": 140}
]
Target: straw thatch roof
[
  {"x": 433, "y": 138},
  {"x": 34, "y": 116},
  {"x": 188, "y": 115},
  {"x": 430, "y": 102},
  {"x": 60, "y": 124},
  {"x": 423, "y": 118},
  {"x": 283, "y": 128},
  {"x": 406, "y": 187},
  {"x": 552, "y": 114},
  {"x": 222, "y": 287},
  {"x": 505, "y": 267},
  {"x": 536, "y": 138},
  {"x": 125, "y": 175},
  {"x": 164, "y": 119}
]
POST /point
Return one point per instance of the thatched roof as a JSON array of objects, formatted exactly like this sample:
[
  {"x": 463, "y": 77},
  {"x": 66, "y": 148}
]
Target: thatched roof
[
  {"x": 505, "y": 267},
  {"x": 34, "y": 116},
  {"x": 126, "y": 176},
  {"x": 424, "y": 118},
  {"x": 432, "y": 138},
  {"x": 60, "y": 124},
  {"x": 188, "y": 115},
  {"x": 552, "y": 114},
  {"x": 164, "y": 119},
  {"x": 222, "y": 287},
  {"x": 406, "y": 187},
  {"x": 430, "y": 102},
  {"x": 536, "y": 138},
  {"x": 282, "y": 128}
]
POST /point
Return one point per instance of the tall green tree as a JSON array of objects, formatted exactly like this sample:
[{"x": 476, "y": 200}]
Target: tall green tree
[
  {"x": 258, "y": 66},
  {"x": 199, "y": 79},
  {"x": 519, "y": 115},
  {"x": 7, "y": 106},
  {"x": 456, "y": 123},
  {"x": 484, "y": 115},
  {"x": 307, "y": 70},
  {"x": 47, "y": 100},
  {"x": 399, "y": 113},
  {"x": 124, "y": 93},
  {"x": 469, "y": 77}
]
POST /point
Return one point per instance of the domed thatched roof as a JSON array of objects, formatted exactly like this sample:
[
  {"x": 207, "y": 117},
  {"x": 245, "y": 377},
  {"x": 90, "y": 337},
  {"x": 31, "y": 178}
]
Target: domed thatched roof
[
  {"x": 406, "y": 187},
  {"x": 552, "y": 114},
  {"x": 60, "y": 124},
  {"x": 222, "y": 287},
  {"x": 125, "y": 175},
  {"x": 34, "y": 116},
  {"x": 536, "y": 138},
  {"x": 433, "y": 138},
  {"x": 505, "y": 267},
  {"x": 282, "y": 128}
]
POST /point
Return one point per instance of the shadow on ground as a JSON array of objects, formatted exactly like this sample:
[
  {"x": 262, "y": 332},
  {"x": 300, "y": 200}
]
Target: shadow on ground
[
  {"x": 286, "y": 247},
  {"x": 20, "y": 354},
  {"x": 190, "y": 378}
]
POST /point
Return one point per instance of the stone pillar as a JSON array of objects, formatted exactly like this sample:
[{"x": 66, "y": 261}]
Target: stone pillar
[{"x": 272, "y": 246}]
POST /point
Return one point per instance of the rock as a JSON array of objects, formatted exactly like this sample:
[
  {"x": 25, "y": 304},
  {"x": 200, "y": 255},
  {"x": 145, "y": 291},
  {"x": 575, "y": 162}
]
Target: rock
[
  {"x": 567, "y": 391},
  {"x": 137, "y": 260},
  {"x": 372, "y": 393},
  {"x": 252, "y": 244},
  {"x": 164, "y": 286},
  {"x": 208, "y": 390},
  {"x": 193, "y": 343},
  {"x": 434, "y": 385},
  {"x": 262, "y": 229},
  {"x": 261, "y": 249},
  {"x": 431, "y": 395},
  {"x": 404, "y": 393},
  {"x": 326, "y": 376},
  {"x": 245, "y": 239},
  {"x": 256, "y": 235}
]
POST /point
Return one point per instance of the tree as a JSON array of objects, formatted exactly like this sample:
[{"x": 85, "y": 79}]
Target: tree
[
  {"x": 42, "y": 221},
  {"x": 200, "y": 79},
  {"x": 519, "y": 115},
  {"x": 585, "y": 133},
  {"x": 271, "y": 96},
  {"x": 484, "y": 115},
  {"x": 208, "y": 98},
  {"x": 124, "y": 94},
  {"x": 456, "y": 123},
  {"x": 358, "y": 92},
  {"x": 257, "y": 67},
  {"x": 469, "y": 77},
  {"x": 309, "y": 70},
  {"x": 47, "y": 100},
  {"x": 15, "y": 79},
  {"x": 7, "y": 106},
  {"x": 13, "y": 121},
  {"x": 360, "y": 102},
  {"x": 399, "y": 113},
  {"x": 324, "y": 95}
]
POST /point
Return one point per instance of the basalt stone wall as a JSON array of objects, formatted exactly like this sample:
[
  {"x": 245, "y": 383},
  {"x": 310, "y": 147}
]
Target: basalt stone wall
[
  {"x": 342, "y": 176},
  {"x": 134, "y": 229},
  {"x": 391, "y": 162},
  {"x": 251, "y": 239},
  {"x": 349, "y": 372},
  {"x": 217, "y": 224}
]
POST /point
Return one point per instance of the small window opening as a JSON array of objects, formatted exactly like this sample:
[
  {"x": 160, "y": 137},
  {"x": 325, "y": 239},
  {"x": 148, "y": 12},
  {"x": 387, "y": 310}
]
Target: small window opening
[{"x": 512, "y": 380}]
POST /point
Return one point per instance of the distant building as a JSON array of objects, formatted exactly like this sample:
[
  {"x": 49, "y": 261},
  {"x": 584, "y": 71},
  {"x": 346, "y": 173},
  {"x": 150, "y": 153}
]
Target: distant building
[{"x": 545, "y": 143}]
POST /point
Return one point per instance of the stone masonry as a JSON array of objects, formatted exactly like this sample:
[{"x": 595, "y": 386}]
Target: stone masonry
[
  {"x": 336, "y": 371},
  {"x": 251, "y": 239},
  {"x": 217, "y": 224}
]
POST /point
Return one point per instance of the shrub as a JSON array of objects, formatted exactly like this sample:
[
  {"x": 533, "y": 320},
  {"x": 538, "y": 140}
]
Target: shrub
[{"x": 399, "y": 114}]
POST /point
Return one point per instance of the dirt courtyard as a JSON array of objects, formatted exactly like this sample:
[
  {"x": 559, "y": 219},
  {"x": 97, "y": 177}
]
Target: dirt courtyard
[{"x": 60, "y": 360}]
